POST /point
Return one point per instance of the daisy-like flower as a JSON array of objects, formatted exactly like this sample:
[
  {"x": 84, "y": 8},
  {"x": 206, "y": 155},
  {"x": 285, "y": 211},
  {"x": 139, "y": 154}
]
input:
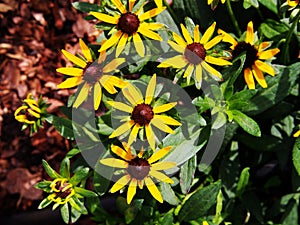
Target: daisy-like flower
[
  {"x": 139, "y": 170},
  {"x": 194, "y": 54},
  {"x": 142, "y": 114},
  {"x": 92, "y": 75},
  {"x": 62, "y": 191},
  {"x": 255, "y": 54},
  {"x": 32, "y": 113},
  {"x": 293, "y": 3},
  {"x": 130, "y": 24}
]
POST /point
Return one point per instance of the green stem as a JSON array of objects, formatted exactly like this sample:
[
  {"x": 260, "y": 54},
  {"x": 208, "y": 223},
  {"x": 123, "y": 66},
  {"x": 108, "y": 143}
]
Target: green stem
[
  {"x": 288, "y": 39},
  {"x": 232, "y": 17}
]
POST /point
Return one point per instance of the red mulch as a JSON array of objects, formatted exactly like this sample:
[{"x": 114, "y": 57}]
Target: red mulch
[{"x": 32, "y": 34}]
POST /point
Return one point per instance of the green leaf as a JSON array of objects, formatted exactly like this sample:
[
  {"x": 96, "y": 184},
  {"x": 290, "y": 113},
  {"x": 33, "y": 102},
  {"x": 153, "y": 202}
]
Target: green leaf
[
  {"x": 86, "y": 7},
  {"x": 85, "y": 193},
  {"x": 168, "y": 218},
  {"x": 270, "y": 4},
  {"x": 43, "y": 185},
  {"x": 248, "y": 3},
  {"x": 168, "y": 194},
  {"x": 291, "y": 213},
  {"x": 219, "y": 121},
  {"x": 64, "y": 211},
  {"x": 44, "y": 203},
  {"x": 296, "y": 155},
  {"x": 243, "y": 181},
  {"x": 79, "y": 175},
  {"x": 51, "y": 172},
  {"x": 186, "y": 174},
  {"x": 65, "y": 168},
  {"x": 248, "y": 124},
  {"x": 202, "y": 200},
  {"x": 73, "y": 152},
  {"x": 64, "y": 127},
  {"x": 190, "y": 25},
  {"x": 218, "y": 216},
  {"x": 272, "y": 28}
]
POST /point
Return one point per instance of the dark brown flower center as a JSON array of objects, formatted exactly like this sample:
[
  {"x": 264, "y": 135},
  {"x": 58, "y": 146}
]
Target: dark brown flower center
[
  {"x": 63, "y": 194},
  {"x": 142, "y": 114},
  {"x": 92, "y": 73},
  {"x": 138, "y": 168},
  {"x": 251, "y": 53},
  {"x": 195, "y": 53},
  {"x": 128, "y": 23}
]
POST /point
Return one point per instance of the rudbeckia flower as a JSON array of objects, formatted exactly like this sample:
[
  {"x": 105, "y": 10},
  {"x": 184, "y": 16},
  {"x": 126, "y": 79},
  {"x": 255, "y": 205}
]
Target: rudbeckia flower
[
  {"x": 62, "y": 191},
  {"x": 209, "y": 2},
  {"x": 92, "y": 75},
  {"x": 193, "y": 54},
  {"x": 142, "y": 114},
  {"x": 255, "y": 54},
  {"x": 130, "y": 24},
  {"x": 293, "y": 3},
  {"x": 139, "y": 170}
]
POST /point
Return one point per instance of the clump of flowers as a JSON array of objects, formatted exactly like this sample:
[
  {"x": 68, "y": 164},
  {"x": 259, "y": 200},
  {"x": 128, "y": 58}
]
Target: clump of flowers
[{"x": 32, "y": 113}]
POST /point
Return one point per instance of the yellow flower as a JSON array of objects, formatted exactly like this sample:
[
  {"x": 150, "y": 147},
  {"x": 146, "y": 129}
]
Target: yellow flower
[
  {"x": 253, "y": 66},
  {"x": 139, "y": 170},
  {"x": 297, "y": 134},
  {"x": 92, "y": 75},
  {"x": 130, "y": 24},
  {"x": 62, "y": 191},
  {"x": 142, "y": 114},
  {"x": 210, "y": 1},
  {"x": 29, "y": 112},
  {"x": 194, "y": 56},
  {"x": 293, "y": 3}
]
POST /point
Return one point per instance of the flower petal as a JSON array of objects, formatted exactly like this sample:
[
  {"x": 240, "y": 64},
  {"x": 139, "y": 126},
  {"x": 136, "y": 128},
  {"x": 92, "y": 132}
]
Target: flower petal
[
  {"x": 154, "y": 26},
  {"x": 158, "y": 3},
  {"x": 74, "y": 59},
  {"x": 216, "y": 74},
  {"x": 153, "y": 189},
  {"x": 113, "y": 65},
  {"x": 196, "y": 34},
  {"x": 122, "y": 129},
  {"x": 213, "y": 42},
  {"x": 71, "y": 71},
  {"x": 265, "y": 67},
  {"x": 148, "y": 33},
  {"x": 83, "y": 94},
  {"x": 217, "y": 61},
  {"x": 111, "y": 41},
  {"x": 150, "y": 136},
  {"x": 159, "y": 123},
  {"x": 85, "y": 50},
  {"x": 168, "y": 120},
  {"x": 33, "y": 113},
  {"x": 250, "y": 33},
  {"x": 199, "y": 73},
  {"x": 162, "y": 165},
  {"x": 268, "y": 54},
  {"x": 138, "y": 44},
  {"x": 132, "y": 95},
  {"x": 186, "y": 34},
  {"x": 131, "y": 190},
  {"x": 160, "y": 176},
  {"x": 176, "y": 62},
  {"x": 176, "y": 47},
  {"x": 259, "y": 77},
  {"x": 159, "y": 154},
  {"x": 264, "y": 45},
  {"x": 164, "y": 108},
  {"x": 208, "y": 33},
  {"x": 120, "y": 106},
  {"x": 249, "y": 78},
  {"x": 133, "y": 134},
  {"x": 18, "y": 110},
  {"x": 297, "y": 134},
  {"x": 97, "y": 95},
  {"x": 107, "y": 83},
  {"x": 121, "y": 153},
  {"x": 228, "y": 38},
  {"x": 121, "y": 44},
  {"x": 106, "y": 18},
  {"x": 120, "y": 183},
  {"x": 188, "y": 72},
  {"x": 151, "y": 13},
  {"x": 116, "y": 163},
  {"x": 119, "y": 5},
  {"x": 70, "y": 82},
  {"x": 131, "y": 4},
  {"x": 179, "y": 40},
  {"x": 150, "y": 90}
]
